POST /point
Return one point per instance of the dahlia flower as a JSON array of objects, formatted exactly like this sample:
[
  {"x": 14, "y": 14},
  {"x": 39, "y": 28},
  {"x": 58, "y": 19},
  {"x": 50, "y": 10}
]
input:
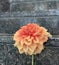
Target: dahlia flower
[{"x": 30, "y": 38}]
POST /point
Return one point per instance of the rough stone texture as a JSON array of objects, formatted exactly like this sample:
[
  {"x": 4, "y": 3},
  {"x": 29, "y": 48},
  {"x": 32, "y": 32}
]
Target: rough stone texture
[
  {"x": 10, "y": 56},
  {"x": 26, "y": 8},
  {"x": 31, "y": 0},
  {"x": 10, "y": 25},
  {"x": 35, "y": 8},
  {"x": 16, "y": 13},
  {"x": 4, "y": 5}
]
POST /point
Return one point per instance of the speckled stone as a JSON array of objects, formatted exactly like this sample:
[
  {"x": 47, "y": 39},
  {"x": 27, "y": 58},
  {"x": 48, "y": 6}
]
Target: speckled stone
[
  {"x": 10, "y": 56},
  {"x": 11, "y": 25},
  {"x": 16, "y": 13},
  {"x": 34, "y": 8},
  {"x": 4, "y": 5}
]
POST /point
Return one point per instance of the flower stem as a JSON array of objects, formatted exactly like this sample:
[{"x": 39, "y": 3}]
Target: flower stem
[{"x": 32, "y": 59}]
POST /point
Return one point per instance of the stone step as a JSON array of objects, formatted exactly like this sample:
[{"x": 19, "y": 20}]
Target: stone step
[
  {"x": 31, "y": 0},
  {"x": 11, "y": 25},
  {"x": 11, "y": 56},
  {"x": 24, "y": 8}
]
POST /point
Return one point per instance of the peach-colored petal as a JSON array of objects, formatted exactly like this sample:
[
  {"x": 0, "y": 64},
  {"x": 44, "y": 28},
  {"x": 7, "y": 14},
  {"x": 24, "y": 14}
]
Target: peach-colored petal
[
  {"x": 25, "y": 48},
  {"x": 39, "y": 49},
  {"x": 21, "y": 51},
  {"x": 28, "y": 41}
]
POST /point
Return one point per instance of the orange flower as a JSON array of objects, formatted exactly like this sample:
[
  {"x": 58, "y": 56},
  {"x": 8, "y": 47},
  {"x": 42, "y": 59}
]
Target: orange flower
[{"x": 30, "y": 39}]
